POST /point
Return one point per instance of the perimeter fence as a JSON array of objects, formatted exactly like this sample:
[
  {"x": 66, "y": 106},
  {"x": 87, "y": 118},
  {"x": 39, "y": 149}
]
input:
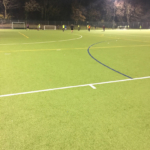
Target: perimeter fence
[{"x": 7, "y": 24}]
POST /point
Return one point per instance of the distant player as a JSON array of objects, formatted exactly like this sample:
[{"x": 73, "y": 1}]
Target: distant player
[
  {"x": 103, "y": 28},
  {"x": 78, "y": 27},
  {"x": 128, "y": 26},
  {"x": 72, "y": 26},
  {"x": 63, "y": 27},
  {"x": 89, "y": 27},
  {"x": 38, "y": 27},
  {"x": 27, "y": 27},
  {"x": 140, "y": 27}
]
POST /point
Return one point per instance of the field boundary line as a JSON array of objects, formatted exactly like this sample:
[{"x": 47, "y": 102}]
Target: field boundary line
[
  {"x": 135, "y": 40},
  {"x": 4, "y": 51},
  {"x": 45, "y": 41},
  {"x": 118, "y": 38},
  {"x": 76, "y": 86},
  {"x": 132, "y": 35},
  {"x": 23, "y": 35}
]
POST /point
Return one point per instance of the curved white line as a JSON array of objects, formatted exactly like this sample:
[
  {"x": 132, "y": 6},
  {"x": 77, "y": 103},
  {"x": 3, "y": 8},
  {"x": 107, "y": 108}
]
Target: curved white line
[{"x": 45, "y": 41}]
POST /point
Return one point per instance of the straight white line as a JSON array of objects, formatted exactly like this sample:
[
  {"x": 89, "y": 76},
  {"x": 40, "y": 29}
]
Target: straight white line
[
  {"x": 45, "y": 41},
  {"x": 132, "y": 35},
  {"x": 93, "y": 87},
  {"x": 69, "y": 87}
]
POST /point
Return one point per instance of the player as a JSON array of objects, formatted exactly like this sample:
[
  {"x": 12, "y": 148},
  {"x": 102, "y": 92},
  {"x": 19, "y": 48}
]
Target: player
[
  {"x": 78, "y": 27},
  {"x": 38, "y": 27},
  {"x": 63, "y": 27},
  {"x": 128, "y": 26},
  {"x": 140, "y": 27},
  {"x": 27, "y": 27},
  {"x": 72, "y": 26},
  {"x": 103, "y": 28},
  {"x": 89, "y": 27}
]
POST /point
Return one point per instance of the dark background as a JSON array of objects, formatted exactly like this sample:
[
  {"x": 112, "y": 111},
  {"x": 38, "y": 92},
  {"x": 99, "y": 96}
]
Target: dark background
[{"x": 76, "y": 10}]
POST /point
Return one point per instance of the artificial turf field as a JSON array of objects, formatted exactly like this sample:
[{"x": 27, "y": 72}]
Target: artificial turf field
[{"x": 86, "y": 116}]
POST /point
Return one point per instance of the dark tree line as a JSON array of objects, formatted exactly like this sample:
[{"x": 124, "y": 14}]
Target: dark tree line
[{"x": 76, "y": 10}]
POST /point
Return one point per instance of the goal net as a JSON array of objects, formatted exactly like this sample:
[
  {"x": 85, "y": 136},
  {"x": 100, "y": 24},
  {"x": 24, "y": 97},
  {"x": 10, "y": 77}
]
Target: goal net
[
  {"x": 18, "y": 25},
  {"x": 122, "y": 27},
  {"x": 49, "y": 27}
]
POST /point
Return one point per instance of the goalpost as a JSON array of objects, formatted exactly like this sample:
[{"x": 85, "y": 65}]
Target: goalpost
[
  {"x": 49, "y": 27},
  {"x": 18, "y": 25}
]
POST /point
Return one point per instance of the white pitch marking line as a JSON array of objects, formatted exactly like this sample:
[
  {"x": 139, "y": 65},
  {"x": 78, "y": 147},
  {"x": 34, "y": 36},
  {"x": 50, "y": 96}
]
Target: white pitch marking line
[
  {"x": 45, "y": 41},
  {"x": 7, "y": 53},
  {"x": 92, "y": 86},
  {"x": 69, "y": 87}
]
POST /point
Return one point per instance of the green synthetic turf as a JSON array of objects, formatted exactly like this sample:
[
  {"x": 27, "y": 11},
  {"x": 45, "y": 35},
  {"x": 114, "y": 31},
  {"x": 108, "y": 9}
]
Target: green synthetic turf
[{"x": 113, "y": 116}]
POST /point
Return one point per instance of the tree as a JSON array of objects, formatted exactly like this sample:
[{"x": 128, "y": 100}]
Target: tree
[
  {"x": 94, "y": 11},
  {"x": 78, "y": 12},
  {"x": 1, "y": 2},
  {"x": 31, "y": 6},
  {"x": 120, "y": 10},
  {"x": 95, "y": 15},
  {"x": 146, "y": 16},
  {"x": 9, "y": 4},
  {"x": 1, "y": 7},
  {"x": 109, "y": 13},
  {"x": 129, "y": 8},
  {"x": 49, "y": 9},
  {"x": 128, "y": 11},
  {"x": 138, "y": 12}
]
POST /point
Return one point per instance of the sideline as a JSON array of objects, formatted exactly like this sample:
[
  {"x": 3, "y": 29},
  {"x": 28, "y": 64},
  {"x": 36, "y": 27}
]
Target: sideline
[{"x": 69, "y": 87}]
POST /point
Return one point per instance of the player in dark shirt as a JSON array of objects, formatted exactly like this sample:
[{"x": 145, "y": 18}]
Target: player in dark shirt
[
  {"x": 89, "y": 27},
  {"x": 72, "y": 26},
  {"x": 103, "y": 27},
  {"x": 27, "y": 27}
]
